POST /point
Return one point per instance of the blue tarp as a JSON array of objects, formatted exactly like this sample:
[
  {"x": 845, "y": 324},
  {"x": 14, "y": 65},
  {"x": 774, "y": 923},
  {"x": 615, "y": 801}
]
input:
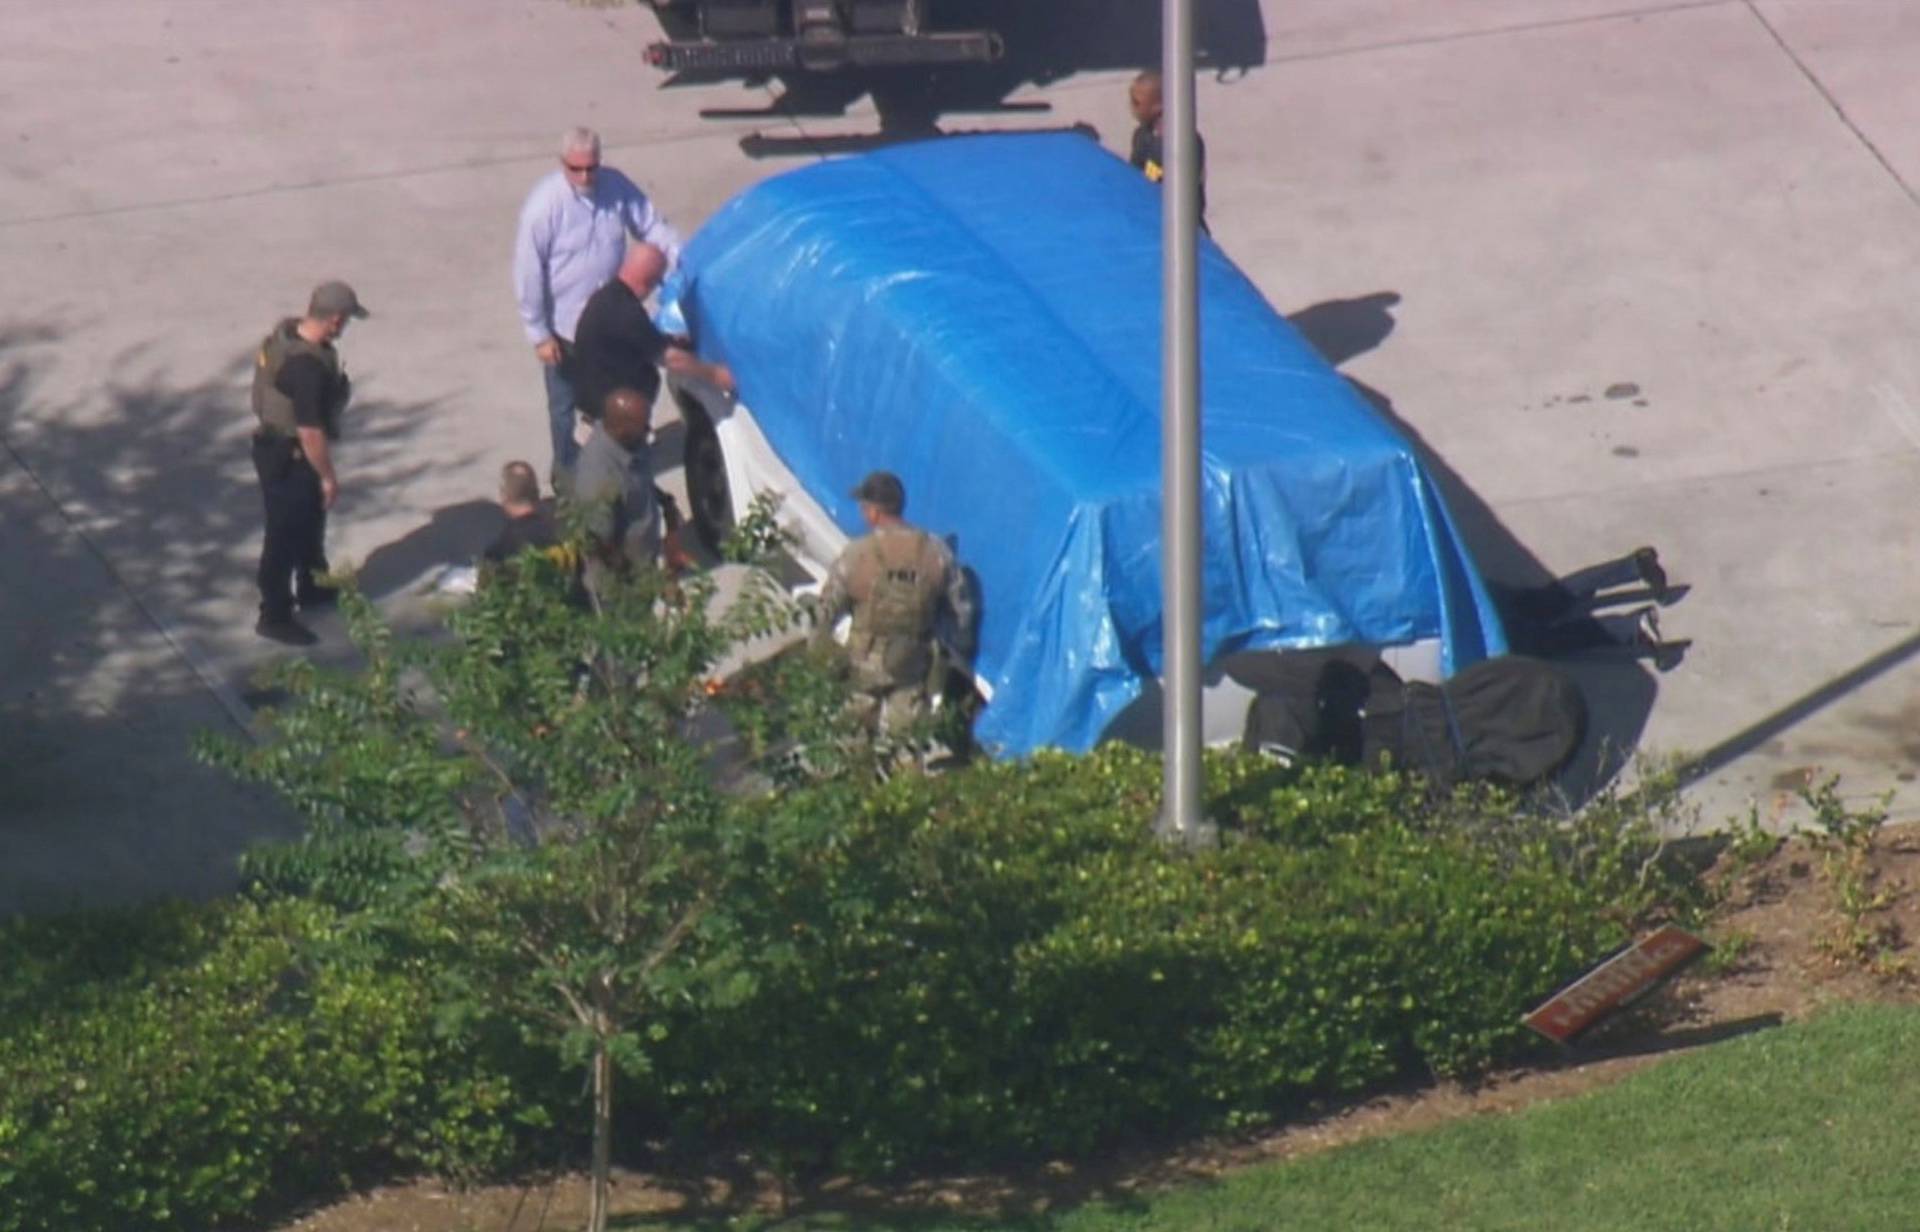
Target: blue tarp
[{"x": 981, "y": 316}]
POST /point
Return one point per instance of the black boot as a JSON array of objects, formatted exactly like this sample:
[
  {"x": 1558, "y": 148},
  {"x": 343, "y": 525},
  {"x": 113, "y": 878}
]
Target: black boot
[
  {"x": 317, "y": 597},
  {"x": 1646, "y": 562},
  {"x": 285, "y": 630}
]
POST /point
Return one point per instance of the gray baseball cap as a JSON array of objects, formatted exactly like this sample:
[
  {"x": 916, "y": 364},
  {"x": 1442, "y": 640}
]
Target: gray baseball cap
[{"x": 334, "y": 299}]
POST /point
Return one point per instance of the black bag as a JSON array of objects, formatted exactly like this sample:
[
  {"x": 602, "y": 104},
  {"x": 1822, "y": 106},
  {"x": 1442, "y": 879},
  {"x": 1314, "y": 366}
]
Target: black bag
[
  {"x": 1517, "y": 720},
  {"x": 1510, "y": 720},
  {"x": 1406, "y": 725}
]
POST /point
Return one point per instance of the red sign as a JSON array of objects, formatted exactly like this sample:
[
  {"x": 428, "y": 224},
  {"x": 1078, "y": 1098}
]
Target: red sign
[{"x": 1619, "y": 981}]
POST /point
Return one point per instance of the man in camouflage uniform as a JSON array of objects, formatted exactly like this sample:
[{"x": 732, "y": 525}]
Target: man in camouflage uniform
[{"x": 894, "y": 580}]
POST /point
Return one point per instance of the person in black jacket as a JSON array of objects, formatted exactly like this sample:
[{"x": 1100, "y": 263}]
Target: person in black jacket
[
  {"x": 1146, "y": 100},
  {"x": 617, "y": 345},
  {"x": 530, "y": 522}
]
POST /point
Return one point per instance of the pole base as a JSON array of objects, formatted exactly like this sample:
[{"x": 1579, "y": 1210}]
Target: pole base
[{"x": 1203, "y": 835}]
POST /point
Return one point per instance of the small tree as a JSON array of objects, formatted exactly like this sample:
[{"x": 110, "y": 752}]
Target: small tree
[
  {"x": 590, "y": 719},
  {"x": 537, "y": 798},
  {"x": 579, "y": 939}
]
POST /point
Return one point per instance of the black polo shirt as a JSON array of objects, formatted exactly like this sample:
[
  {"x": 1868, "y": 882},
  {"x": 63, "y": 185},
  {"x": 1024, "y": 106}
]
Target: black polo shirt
[
  {"x": 616, "y": 344},
  {"x": 531, "y": 530},
  {"x": 1149, "y": 157}
]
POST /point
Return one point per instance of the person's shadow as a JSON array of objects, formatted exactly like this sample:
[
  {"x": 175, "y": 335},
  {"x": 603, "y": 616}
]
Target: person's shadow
[
  {"x": 1342, "y": 328},
  {"x": 455, "y": 535}
]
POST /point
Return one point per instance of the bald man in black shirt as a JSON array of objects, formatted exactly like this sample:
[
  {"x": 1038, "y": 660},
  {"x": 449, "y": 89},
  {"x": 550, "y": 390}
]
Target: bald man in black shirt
[{"x": 617, "y": 345}]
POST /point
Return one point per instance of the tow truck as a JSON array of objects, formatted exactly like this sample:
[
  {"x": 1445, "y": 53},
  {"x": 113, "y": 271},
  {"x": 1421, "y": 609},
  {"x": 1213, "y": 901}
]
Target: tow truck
[{"x": 763, "y": 38}]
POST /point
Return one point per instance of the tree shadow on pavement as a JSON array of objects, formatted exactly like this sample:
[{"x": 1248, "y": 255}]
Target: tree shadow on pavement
[
  {"x": 129, "y": 531},
  {"x": 1619, "y": 691}
]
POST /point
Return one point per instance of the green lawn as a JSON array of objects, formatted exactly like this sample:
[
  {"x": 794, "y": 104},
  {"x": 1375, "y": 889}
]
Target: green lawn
[{"x": 1803, "y": 1127}]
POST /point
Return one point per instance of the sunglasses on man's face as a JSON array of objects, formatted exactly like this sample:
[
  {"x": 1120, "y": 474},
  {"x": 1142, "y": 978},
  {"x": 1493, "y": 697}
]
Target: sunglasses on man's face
[{"x": 582, "y": 169}]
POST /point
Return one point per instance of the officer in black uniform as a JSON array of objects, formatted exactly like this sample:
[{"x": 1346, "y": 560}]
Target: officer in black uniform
[
  {"x": 300, "y": 389},
  {"x": 1146, "y": 99}
]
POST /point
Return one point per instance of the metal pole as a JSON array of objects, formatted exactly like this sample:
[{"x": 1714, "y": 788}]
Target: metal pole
[{"x": 1180, "y": 818}]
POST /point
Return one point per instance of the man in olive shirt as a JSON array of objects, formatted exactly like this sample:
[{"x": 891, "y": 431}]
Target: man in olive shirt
[
  {"x": 613, "y": 486},
  {"x": 300, "y": 389}
]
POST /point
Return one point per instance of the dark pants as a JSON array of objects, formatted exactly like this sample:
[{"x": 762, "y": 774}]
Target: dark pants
[
  {"x": 1561, "y": 637},
  {"x": 294, "y": 549},
  {"x": 1556, "y": 619}
]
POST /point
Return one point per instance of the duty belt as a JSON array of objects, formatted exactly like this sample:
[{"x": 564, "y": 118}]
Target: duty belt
[{"x": 292, "y": 442}]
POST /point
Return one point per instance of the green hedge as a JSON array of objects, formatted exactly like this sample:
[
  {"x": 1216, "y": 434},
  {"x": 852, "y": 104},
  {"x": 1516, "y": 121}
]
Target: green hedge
[
  {"x": 988, "y": 965},
  {"x": 183, "y": 1067},
  {"x": 1003, "y": 961}
]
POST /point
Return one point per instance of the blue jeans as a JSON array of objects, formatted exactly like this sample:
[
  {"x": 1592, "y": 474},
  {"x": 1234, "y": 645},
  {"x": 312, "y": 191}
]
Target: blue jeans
[{"x": 560, "y": 419}]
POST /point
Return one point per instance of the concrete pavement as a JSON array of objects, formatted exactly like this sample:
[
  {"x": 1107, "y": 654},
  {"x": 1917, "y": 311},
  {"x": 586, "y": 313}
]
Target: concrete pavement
[{"x": 1712, "y": 202}]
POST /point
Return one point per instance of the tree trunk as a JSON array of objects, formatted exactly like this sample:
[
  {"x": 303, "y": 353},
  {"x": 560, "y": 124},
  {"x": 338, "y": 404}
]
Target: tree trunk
[{"x": 602, "y": 1134}]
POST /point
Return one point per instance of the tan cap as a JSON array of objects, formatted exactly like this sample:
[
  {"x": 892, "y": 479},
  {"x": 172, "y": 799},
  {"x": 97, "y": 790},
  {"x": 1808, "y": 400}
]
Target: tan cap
[{"x": 883, "y": 488}]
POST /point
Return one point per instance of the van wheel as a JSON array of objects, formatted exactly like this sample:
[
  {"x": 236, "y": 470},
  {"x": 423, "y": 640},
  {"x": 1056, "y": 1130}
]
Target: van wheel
[{"x": 707, "y": 488}]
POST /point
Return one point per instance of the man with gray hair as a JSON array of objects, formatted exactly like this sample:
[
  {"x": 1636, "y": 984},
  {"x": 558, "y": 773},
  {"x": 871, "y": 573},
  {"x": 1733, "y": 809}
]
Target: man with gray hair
[{"x": 573, "y": 233}]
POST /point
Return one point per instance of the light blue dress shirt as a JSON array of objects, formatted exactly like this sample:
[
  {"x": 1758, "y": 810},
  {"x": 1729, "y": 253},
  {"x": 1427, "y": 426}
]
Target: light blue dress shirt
[{"x": 569, "y": 244}]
